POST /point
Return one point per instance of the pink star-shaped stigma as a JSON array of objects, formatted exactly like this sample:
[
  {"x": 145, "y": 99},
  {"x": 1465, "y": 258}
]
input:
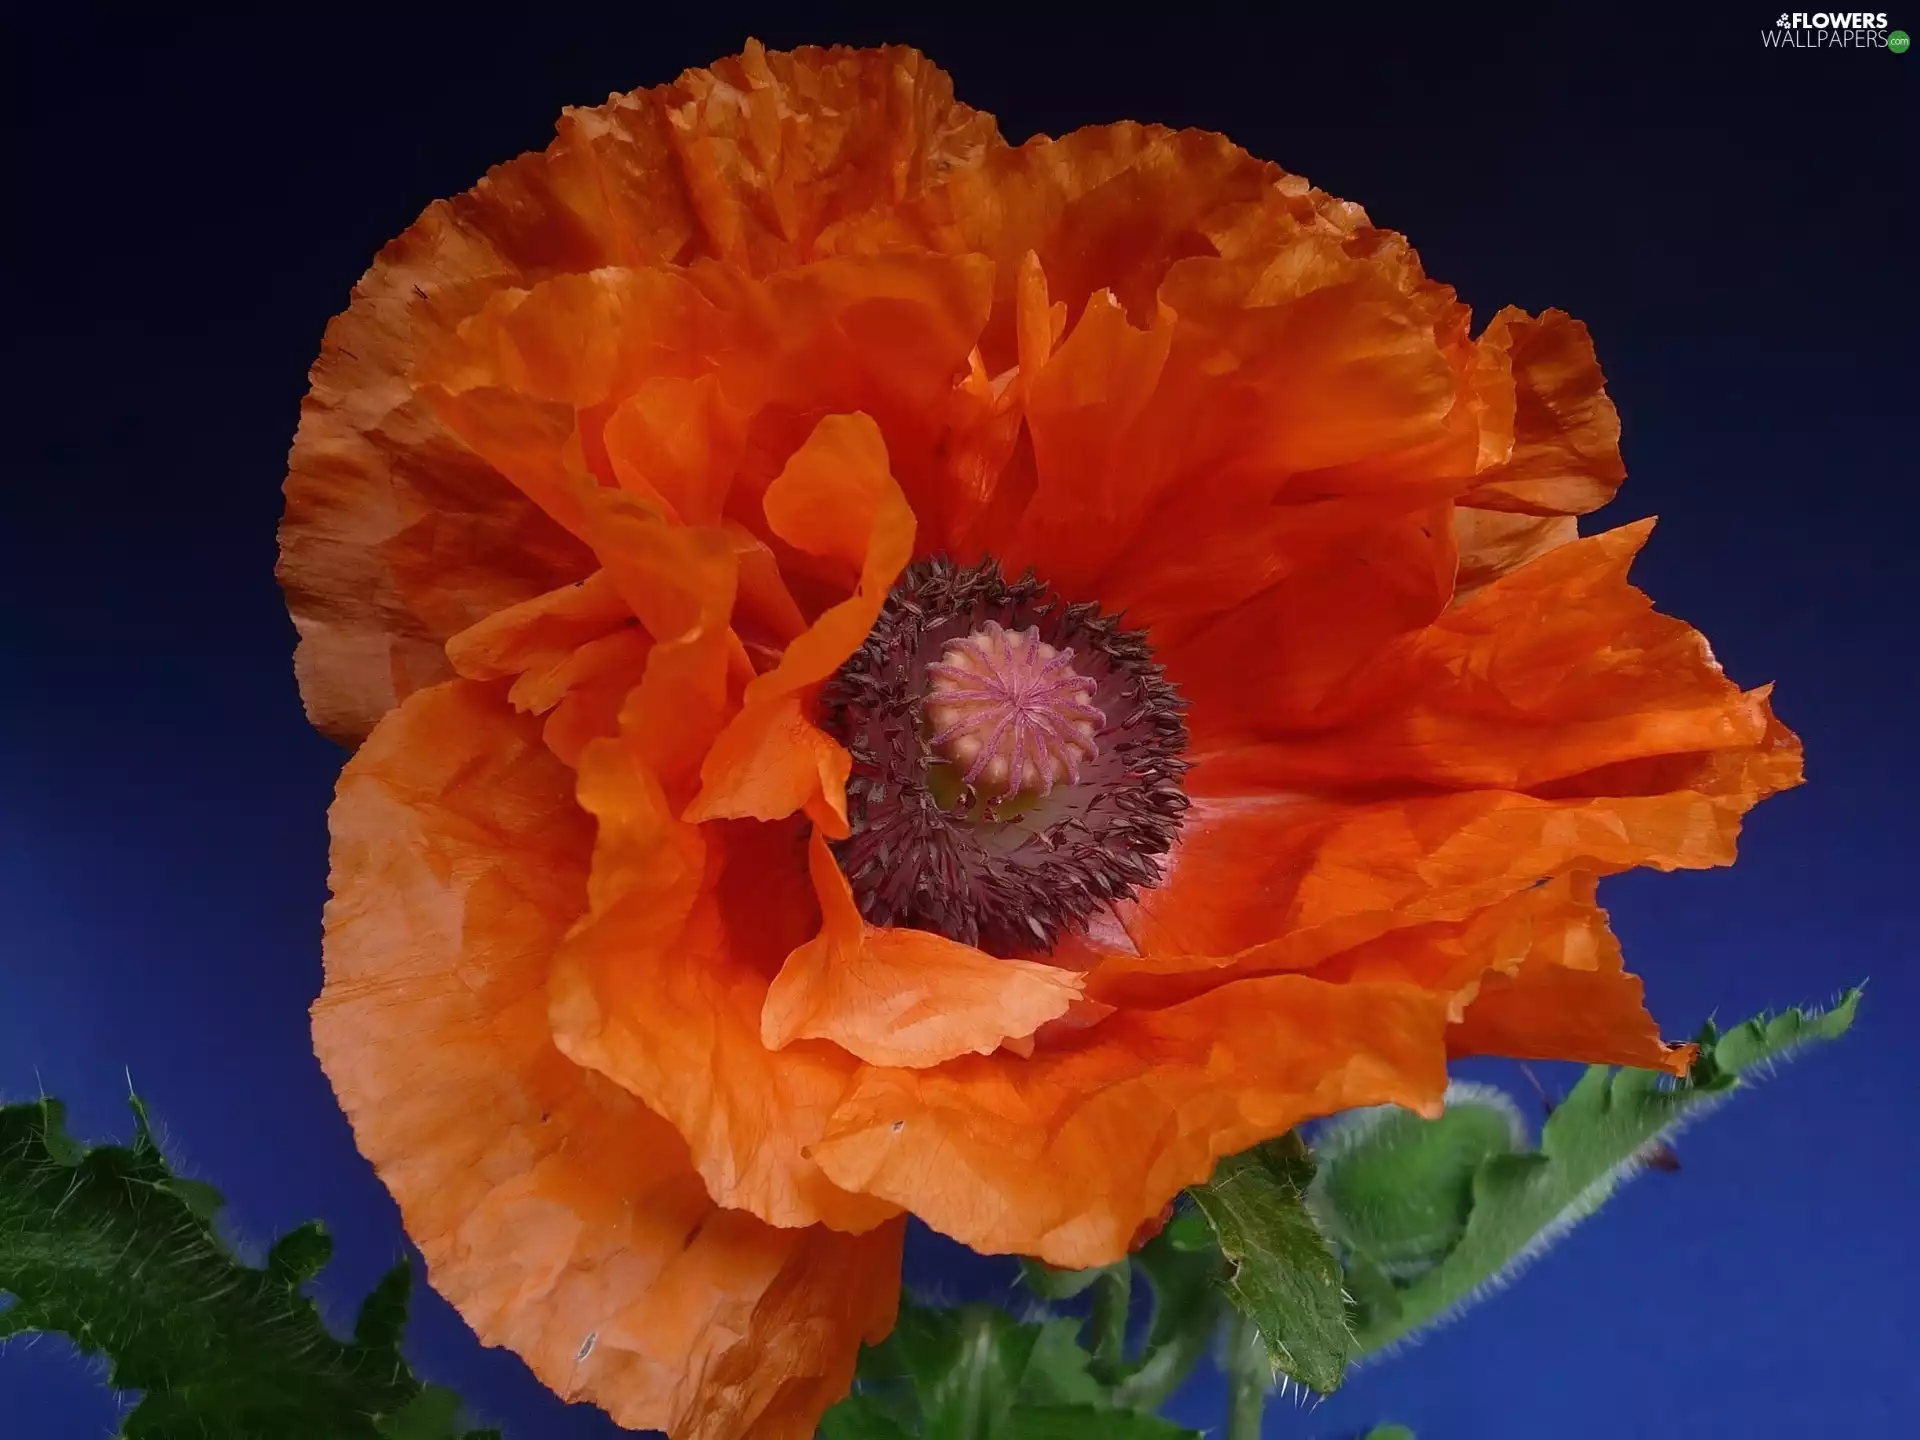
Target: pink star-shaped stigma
[{"x": 1013, "y": 710}]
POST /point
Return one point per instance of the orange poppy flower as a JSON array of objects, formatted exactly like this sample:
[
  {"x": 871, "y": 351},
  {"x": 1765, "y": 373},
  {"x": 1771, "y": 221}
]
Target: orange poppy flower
[{"x": 906, "y": 674}]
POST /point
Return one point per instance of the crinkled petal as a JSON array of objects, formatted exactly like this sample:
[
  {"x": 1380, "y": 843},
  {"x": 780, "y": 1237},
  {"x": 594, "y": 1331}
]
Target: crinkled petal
[
  {"x": 888, "y": 336},
  {"x": 829, "y": 496},
  {"x": 1272, "y": 661},
  {"x": 678, "y": 441},
  {"x": 1565, "y": 452},
  {"x": 396, "y": 535},
  {"x": 1554, "y": 669},
  {"x": 1095, "y": 450},
  {"x": 1569, "y": 998},
  {"x": 902, "y": 997},
  {"x": 681, "y": 583},
  {"x": 777, "y": 151},
  {"x": 771, "y": 760},
  {"x": 1214, "y": 414},
  {"x": 538, "y": 635},
  {"x": 660, "y": 988},
  {"x": 1283, "y": 881},
  {"x": 1307, "y": 363},
  {"x": 1066, "y": 1154},
  {"x": 558, "y": 1215},
  {"x": 1112, "y": 1119},
  {"x": 1495, "y": 542}
]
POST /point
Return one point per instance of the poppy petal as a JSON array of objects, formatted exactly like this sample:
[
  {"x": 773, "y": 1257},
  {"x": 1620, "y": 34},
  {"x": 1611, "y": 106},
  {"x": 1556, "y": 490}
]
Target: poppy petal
[
  {"x": 902, "y": 997},
  {"x": 1066, "y": 1154},
  {"x": 1289, "y": 881},
  {"x": 1257, "y": 409},
  {"x": 679, "y": 441},
  {"x": 771, "y": 760},
  {"x": 397, "y": 536},
  {"x": 558, "y": 1215},
  {"x": 1084, "y": 411},
  {"x": 538, "y": 635},
  {"x": 1554, "y": 669},
  {"x": 1565, "y": 453},
  {"x": 1495, "y": 542},
  {"x": 1271, "y": 661},
  {"x": 1569, "y": 998},
  {"x": 661, "y": 985}
]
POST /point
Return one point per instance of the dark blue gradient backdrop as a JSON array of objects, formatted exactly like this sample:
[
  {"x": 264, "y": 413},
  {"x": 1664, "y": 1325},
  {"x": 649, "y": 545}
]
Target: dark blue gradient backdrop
[{"x": 189, "y": 201}]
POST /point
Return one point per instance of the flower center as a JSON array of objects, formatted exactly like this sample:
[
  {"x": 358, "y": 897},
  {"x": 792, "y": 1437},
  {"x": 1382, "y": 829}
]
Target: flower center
[
  {"x": 1016, "y": 760},
  {"x": 1013, "y": 710}
]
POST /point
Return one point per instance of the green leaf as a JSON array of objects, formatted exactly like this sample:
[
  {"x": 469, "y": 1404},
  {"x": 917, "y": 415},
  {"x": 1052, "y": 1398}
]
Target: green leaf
[
  {"x": 300, "y": 1254},
  {"x": 433, "y": 1414},
  {"x": 430, "y": 1415},
  {"x": 1284, "y": 1278},
  {"x": 59, "y": 1147},
  {"x": 1591, "y": 1143},
  {"x": 862, "y": 1417},
  {"x": 109, "y": 1247},
  {"x": 966, "y": 1366},
  {"x": 1398, "y": 1188},
  {"x": 200, "y": 1198},
  {"x": 1389, "y": 1432},
  {"x": 1081, "y": 1422},
  {"x": 975, "y": 1373},
  {"x": 1766, "y": 1040},
  {"x": 383, "y": 1314},
  {"x": 1058, "y": 1369}
]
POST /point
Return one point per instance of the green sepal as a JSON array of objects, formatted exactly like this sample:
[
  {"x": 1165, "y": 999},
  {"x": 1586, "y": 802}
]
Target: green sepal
[
  {"x": 108, "y": 1246},
  {"x": 1389, "y": 1432},
  {"x": 1595, "y": 1139},
  {"x": 1283, "y": 1277}
]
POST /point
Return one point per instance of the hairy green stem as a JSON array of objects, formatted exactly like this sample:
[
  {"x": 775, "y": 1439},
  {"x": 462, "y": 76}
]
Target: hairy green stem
[
  {"x": 1247, "y": 1373},
  {"x": 1161, "y": 1373}
]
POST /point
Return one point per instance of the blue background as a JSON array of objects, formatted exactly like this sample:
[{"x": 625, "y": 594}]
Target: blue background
[{"x": 189, "y": 203}]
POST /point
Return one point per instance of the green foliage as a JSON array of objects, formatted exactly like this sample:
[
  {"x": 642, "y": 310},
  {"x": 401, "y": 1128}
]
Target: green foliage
[
  {"x": 1283, "y": 1276},
  {"x": 1083, "y": 1422},
  {"x": 107, "y": 1246},
  {"x": 1519, "y": 1202},
  {"x": 1405, "y": 1222},
  {"x": 975, "y": 1373},
  {"x": 1398, "y": 1189}
]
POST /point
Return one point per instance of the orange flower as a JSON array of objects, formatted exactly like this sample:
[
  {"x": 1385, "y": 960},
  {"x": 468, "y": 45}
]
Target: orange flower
[{"x": 742, "y": 854}]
